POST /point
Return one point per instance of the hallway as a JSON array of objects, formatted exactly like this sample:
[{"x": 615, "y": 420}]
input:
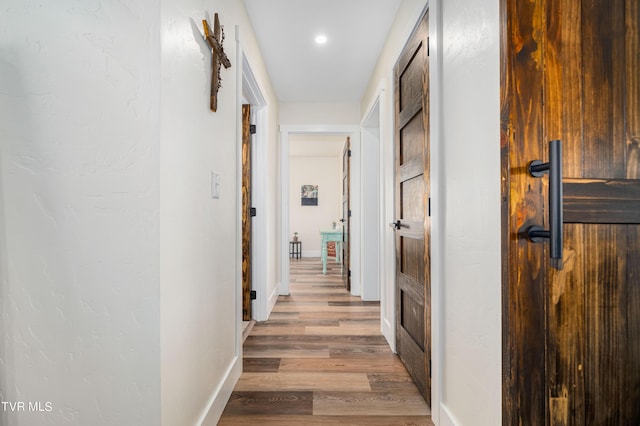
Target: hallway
[{"x": 321, "y": 359}]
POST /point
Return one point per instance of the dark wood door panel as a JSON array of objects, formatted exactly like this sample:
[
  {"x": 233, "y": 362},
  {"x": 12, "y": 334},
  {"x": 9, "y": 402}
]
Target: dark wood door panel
[
  {"x": 411, "y": 354},
  {"x": 246, "y": 213},
  {"x": 413, "y": 295},
  {"x": 571, "y": 336}
]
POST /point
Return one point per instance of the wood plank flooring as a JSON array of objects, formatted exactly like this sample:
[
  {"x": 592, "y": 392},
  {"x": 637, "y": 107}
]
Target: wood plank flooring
[{"x": 321, "y": 360}]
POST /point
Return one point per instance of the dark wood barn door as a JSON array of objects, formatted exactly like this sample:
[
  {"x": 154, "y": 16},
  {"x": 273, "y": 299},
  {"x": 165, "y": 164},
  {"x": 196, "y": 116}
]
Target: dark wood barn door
[
  {"x": 346, "y": 213},
  {"x": 412, "y": 185},
  {"x": 246, "y": 213},
  {"x": 571, "y": 72}
]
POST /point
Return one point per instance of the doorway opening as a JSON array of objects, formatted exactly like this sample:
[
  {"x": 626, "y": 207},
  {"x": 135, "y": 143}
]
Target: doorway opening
[{"x": 368, "y": 233}]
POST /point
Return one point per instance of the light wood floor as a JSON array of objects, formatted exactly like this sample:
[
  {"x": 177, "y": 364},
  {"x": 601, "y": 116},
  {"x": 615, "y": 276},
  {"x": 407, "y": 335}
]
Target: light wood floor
[{"x": 321, "y": 359}]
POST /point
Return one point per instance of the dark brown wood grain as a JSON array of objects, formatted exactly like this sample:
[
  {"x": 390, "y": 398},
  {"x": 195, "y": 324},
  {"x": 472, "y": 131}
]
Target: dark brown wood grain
[
  {"x": 263, "y": 365},
  {"x": 603, "y": 52},
  {"x": 601, "y": 201},
  {"x": 632, "y": 88},
  {"x": 565, "y": 298},
  {"x": 632, "y": 342},
  {"x": 524, "y": 393},
  {"x": 413, "y": 283},
  {"x": 276, "y": 402},
  {"x": 246, "y": 213},
  {"x": 569, "y": 72},
  {"x": 605, "y": 313}
]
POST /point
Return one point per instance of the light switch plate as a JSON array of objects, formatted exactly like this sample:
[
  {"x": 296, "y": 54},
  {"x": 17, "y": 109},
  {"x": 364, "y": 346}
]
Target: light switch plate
[{"x": 215, "y": 185}]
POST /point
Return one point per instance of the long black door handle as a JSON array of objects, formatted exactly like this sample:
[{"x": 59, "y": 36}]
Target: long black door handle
[
  {"x": 537, "y": 168},
  {"x": 396, "y": 225}
]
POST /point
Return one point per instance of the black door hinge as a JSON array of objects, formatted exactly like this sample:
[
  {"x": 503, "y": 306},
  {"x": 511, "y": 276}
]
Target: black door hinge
[
  {"x": 253, "y": 295},
  {"x": 349, "y": 273},
  {"x": 349, "y": 213},
  {"x": 428, "y": 46},
  {"x": 349, "y": 153},
  {"x": 252, "y": 129},
  {"x": 429, "y": 206},
  {"x": 252, "y": 212}
]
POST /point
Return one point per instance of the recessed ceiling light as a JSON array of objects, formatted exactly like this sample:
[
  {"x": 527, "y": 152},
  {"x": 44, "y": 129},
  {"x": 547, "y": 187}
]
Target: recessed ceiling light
[{"x": 321, "y": 39}]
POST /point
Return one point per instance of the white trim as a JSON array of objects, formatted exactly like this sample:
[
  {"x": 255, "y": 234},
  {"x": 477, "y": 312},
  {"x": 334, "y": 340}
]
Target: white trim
[
  {"x": 273, "y": 298},
  {"x": 376, "y": 100},
  {"x": 238, "y": 193},
  {"x": 219, "y": 397},
  {"x": 355, "y": 231},
  {"x": 386, "y": 239},
  {"x": 438, "y": 217},
  {"x": 250, "y": 85},
  {"x": 259, "y": 250},
  {"x": 253, "y": 95},
  {"x": 445, "y": 418},
  {"x": 283, "y": 180}
]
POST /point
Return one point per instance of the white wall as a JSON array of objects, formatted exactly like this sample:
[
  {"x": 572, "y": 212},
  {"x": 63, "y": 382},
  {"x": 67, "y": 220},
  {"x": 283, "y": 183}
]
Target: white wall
[
  {"x": 323, "y": 113},
  {"x": 465, "y": 161},
  {"x": 472, "y": 347},
  {"x": 308, "y": 221},
  {"x": 201, "y": 356},
  {"x": 370, "y": 201},
  {"x": 79, "y": 133},
  {"x": 118, "y": 272}
]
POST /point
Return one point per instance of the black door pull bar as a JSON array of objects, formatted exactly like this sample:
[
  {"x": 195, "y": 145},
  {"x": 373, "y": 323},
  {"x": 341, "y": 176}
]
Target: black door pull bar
[{"x": 537, "y": 168}]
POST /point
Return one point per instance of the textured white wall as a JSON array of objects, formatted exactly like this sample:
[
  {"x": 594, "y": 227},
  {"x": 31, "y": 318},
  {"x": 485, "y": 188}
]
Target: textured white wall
[
  {"x": 308, "y": 221},
  {"x": 472, "y": 258},
  {"x": 79, "y": 133},
  {"x": 106, "y": 218},
  {"x": 199, "y": 275}
]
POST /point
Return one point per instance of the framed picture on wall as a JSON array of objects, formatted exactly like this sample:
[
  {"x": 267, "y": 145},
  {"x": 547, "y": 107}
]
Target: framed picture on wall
[{"x": 309, "y": 195}]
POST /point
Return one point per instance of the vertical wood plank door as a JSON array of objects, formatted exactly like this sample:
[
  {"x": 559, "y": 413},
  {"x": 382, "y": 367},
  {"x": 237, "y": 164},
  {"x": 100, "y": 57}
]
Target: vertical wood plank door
[
  {"x": 346, "y": 214},
  {"x": 413, "y": 284},
  {"x": 246, "y": 213},
  {"x": 571, "y": 328}
]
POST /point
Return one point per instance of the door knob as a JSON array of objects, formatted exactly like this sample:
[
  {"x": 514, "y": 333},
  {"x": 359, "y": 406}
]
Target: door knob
[{"x": 396, "y": 225}]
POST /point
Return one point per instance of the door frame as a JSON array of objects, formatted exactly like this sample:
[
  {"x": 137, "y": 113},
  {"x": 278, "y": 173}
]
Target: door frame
[
  {"x": 373, "y": 131},
  {"x": 440, "y": 414},
  {"x": 283, "y": 200},
  {"x": 252, "y": 95}
]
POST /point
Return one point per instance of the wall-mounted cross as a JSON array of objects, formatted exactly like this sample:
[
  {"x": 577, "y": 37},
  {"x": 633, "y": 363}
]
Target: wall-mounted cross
[{"x": 215, "y": 40}]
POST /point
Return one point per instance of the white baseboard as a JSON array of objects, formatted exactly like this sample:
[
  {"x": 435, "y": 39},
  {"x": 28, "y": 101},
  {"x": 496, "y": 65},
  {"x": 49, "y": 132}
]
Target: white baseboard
[
  {"x": 446, "y": 418},
  {"x": 387, "y": 332},
  {"x": 273, "y": 298},
  {"x": 221, "y": 394}
]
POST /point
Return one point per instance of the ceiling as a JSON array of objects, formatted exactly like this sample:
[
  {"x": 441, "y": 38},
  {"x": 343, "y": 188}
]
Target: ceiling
[{"x": 338, "y": 71}]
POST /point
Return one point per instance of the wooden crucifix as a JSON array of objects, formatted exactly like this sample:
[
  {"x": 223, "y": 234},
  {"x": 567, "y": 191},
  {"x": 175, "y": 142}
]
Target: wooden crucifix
[{"x": 215, "y": 40}]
